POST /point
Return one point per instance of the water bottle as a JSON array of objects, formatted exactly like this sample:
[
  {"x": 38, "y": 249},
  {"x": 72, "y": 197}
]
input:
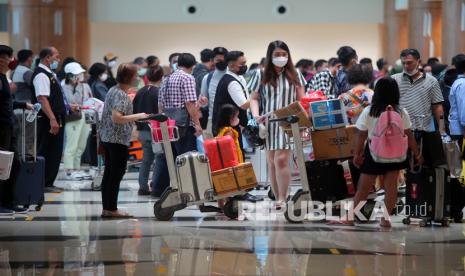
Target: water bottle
[{"x": 33, "y": 113}]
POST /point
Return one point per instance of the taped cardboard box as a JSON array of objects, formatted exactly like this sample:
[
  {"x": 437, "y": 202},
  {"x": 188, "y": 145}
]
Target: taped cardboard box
[
  {"x": 224, "y": 181},
  {"x": 294, "y": 109},
  {"x": 333, "y": 143},
  {"x": 245, "y": 176},
  {"x": 238, "y": 178}
]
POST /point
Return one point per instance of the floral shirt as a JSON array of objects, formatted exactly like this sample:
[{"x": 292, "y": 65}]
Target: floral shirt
[
  {"x": 355, "y": 100},
  {"x": 110, "y": 132}
]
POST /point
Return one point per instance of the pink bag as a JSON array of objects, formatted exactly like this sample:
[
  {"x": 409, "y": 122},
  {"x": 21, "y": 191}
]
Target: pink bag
[
  {"x": 389, "y": 143},
  {"x": 156, "y": 130}
]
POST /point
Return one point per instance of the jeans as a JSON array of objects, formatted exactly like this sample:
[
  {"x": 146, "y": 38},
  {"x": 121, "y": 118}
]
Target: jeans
[
  {"x": 147, "y": 159},
  {"x": 116, "y": 158},
  {"x": 186, "y": 143}
]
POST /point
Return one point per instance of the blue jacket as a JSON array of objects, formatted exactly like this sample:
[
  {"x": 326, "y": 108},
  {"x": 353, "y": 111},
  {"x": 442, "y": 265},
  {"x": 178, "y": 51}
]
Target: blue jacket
[{"x": 457, "y": 107}]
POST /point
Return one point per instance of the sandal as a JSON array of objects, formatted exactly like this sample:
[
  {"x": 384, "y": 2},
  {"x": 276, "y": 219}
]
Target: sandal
[
  {"x": 341, "y": 222},
  {"x": 115, "y": 214},
  {"x": 385, "y": 223}
]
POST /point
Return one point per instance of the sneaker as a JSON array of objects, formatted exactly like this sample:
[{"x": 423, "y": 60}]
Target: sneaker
[
  {"x": 75, "y": 176},
  {"x": 18, "y": 210},
  {"x": 84, "y": 175},
  {"x": 143, "y": 193},
  {"x": 6, "y": 212}
]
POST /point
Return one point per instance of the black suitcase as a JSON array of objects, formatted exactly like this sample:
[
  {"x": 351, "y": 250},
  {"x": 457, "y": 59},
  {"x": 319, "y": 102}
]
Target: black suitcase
[
  {"x": 30, "y": 182},
  {"x": 428, "y": 196},
  {"x": 326, "y": 180}
]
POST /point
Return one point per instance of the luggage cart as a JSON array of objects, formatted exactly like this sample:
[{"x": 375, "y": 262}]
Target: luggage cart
[
  {"x": 92, "y": 118},
  {"x": 303, "y": 194},
  {"x": 173, "y": 199},
  {"x": 300, "y": 136}
]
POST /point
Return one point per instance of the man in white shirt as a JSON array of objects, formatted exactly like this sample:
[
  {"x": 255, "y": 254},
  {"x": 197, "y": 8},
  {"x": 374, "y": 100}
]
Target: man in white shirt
[
  {"x": 51, "y": 118},
  {"x": 232, "y": 89}
]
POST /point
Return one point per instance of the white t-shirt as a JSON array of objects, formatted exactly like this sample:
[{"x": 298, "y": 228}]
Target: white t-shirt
[
  {"x": 237, "y": 92},
  {"x": 367, "y": 123}
]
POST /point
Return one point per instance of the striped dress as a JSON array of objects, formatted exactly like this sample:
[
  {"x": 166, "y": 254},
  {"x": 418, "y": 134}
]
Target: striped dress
[{"x": 272, "y": 99}]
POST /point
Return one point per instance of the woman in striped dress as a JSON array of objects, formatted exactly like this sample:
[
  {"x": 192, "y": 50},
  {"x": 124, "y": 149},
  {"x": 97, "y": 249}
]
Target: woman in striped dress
[{"x": 278, "y": 86}]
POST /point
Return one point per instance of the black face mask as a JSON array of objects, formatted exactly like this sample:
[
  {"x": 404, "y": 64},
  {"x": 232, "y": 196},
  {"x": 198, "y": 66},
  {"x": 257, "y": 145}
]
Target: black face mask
[
  {"x": 242, "y": 70},
  {"x": 221, "y": 65}
]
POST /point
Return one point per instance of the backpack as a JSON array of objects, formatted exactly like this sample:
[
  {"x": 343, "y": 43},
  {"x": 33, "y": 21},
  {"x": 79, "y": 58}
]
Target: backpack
[{"x": 389, "y": 143}]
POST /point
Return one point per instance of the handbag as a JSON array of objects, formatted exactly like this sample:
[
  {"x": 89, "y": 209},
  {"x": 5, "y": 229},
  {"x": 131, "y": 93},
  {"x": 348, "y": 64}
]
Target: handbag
[{"x": 76, "y": 115}]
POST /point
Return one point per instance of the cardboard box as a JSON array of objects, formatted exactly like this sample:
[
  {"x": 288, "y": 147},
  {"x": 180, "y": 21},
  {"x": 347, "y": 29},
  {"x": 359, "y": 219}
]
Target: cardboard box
[
  {"x": 334, "y": 143},
  {"x": 294, "y": 109},
  {"x": 6, "y": 160},
  {"x": 328, "y": 114},
  {"x": 245, "y": 176},
  {"x": 238, "y": 178},
  {"x": 224, "y": 181}
]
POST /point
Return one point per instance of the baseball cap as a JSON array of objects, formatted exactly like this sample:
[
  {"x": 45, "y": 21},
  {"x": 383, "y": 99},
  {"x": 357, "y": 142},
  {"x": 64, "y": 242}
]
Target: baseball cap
[{"x": 74, "y": 68}]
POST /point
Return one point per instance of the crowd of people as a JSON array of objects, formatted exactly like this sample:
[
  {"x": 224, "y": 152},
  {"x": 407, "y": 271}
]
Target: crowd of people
[{"x": 211, "y": 98}]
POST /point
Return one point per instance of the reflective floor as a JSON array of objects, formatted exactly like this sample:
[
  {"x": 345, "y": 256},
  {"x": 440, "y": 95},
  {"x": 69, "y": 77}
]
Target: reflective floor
[{"x": 68, "y": 238}]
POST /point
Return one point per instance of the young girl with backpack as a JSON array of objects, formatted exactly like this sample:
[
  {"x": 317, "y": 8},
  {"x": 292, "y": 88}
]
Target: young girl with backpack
[{"x": 382, "y": 142}]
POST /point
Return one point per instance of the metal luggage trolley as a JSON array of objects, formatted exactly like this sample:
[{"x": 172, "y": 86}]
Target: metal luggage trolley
[
  {"x": 297, "y": 136},
  {"x": 173, "y": 199},
  {"x": 92, "y": 118}
]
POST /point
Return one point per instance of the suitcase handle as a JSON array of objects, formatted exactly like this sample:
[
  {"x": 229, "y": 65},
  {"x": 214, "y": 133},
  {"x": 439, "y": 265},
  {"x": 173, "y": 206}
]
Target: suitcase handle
[
  {"x": 23, "y": 138},
  {"x": 155, "y": 117}
]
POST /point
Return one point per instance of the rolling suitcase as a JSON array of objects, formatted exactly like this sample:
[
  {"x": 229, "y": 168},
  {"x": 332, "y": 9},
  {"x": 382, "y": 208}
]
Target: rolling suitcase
[
  {"x": 428, "y": 196},
  {"x": 195, "y": 181},
  {"x": 30, "y": 182},
  {"x": 326, "y": 180},
  {"x": 221, "y": 153}
]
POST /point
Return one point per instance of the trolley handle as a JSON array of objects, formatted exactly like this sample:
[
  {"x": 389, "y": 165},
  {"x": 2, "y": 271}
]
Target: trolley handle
[
  {"x": 289, "y": 119},
  {"x": 155, "y": 117}
]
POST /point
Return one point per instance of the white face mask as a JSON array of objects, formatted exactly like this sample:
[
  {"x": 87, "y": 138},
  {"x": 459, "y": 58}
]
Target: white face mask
[
  {"x": 280, "y": 61},
  {"x": 103, "y": 77},
  {"x": 411, "y": 74},
  {"x": 112, "y": 64}
]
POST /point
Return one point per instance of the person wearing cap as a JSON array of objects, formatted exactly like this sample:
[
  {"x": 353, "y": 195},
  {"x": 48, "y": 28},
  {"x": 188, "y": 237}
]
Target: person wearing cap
[
  {"x": 76, "y": 130},
  {"x": 110, "y": 61}
]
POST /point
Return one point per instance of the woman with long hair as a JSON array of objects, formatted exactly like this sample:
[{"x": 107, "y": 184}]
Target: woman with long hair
[
  {"x": 386, "y": 94},
  {"x": 276, "y": 87}
]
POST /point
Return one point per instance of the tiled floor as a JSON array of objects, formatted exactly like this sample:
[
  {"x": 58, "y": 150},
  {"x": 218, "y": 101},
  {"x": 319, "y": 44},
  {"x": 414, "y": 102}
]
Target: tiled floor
[{"x": 68, "y": 238}]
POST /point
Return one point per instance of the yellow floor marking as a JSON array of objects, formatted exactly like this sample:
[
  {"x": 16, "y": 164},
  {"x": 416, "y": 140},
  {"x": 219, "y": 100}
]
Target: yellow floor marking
[
  {"x": 29, "y": 218},
  {"x": 334, "y": 251}
]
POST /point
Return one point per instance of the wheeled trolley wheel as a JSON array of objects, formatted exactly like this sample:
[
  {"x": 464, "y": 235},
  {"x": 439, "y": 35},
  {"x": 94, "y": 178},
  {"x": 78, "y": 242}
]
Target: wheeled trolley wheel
[
  {"x": 26, "y": 206},
  {"x": 163, "y": 214},
  {"x": 458, "y": 218},
  {"x": 423, "y": 223},
  {"x": 230, "y": 209},
  {"x": 406, "y": 221},
  {"x": 271, "y": 195},
  {"x": 294, "y": 207},
  {"x": 445, "y": 222}
]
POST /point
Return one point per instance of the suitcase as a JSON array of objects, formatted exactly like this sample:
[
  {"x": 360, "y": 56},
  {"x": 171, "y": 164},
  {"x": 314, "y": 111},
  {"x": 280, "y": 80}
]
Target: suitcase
[
  {"x": 428, "y": 195},
  {"x": 326, "y": 180},
  {"x": 194, "y": 177},
  {"x": 221, "y": 152},
  {"x": 30, "y": 182}
]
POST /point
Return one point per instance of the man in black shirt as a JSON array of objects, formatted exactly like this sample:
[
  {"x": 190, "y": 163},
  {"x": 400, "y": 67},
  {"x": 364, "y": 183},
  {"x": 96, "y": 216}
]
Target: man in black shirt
[{"x": 7, "y": 136}]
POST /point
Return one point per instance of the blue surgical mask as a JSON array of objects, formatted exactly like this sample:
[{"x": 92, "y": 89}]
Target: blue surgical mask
[
  {"x": 54, "y": 65},
  {"x": 174, "y": 66},
  {"x": 142, "y": 72}
]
